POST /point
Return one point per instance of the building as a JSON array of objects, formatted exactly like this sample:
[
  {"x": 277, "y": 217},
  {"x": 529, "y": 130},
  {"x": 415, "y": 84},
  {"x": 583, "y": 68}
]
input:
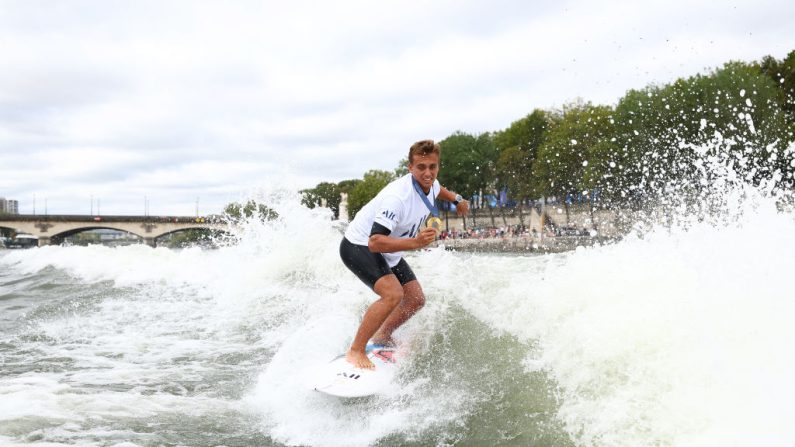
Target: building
[{"x": 9, "y": 206}]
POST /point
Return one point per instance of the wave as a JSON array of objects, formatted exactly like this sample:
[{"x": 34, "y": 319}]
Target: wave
[{"x": 676, "y": 335}]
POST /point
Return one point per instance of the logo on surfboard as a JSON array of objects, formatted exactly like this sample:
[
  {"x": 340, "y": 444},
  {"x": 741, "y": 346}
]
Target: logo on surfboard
[{"x": 349, "y": 376}]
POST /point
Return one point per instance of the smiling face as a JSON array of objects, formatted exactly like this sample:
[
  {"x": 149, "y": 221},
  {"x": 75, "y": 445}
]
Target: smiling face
[{"x": 425, "y": 168}]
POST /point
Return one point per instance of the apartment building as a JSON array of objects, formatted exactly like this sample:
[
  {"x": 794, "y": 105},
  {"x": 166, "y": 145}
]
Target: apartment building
[{"x": 9, "y": 206}]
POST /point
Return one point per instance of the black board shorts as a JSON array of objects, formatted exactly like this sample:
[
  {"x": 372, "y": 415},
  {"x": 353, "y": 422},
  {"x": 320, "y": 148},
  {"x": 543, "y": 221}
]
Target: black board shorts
[{"x": 370, "y": 267}]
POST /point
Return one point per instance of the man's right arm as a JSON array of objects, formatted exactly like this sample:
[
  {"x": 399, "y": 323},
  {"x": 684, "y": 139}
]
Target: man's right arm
[
  {"x": 382, "y": 243},
  {"x": 388, "y": 214}
]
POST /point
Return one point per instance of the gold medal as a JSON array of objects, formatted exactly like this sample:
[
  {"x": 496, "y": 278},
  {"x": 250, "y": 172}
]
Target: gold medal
[{"x": 435, "y": 223}]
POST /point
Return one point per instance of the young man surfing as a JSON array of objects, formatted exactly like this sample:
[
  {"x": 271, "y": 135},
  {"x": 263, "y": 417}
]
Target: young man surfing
[{"x": 401, "y": 217}]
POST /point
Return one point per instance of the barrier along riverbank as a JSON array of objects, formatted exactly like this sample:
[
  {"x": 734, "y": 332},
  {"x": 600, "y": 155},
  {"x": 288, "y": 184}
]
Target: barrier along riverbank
[{"x": 547, "y": 229}]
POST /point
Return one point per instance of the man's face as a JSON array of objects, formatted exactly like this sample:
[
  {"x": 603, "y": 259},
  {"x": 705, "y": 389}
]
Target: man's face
[{"x": 425, "y": 168}]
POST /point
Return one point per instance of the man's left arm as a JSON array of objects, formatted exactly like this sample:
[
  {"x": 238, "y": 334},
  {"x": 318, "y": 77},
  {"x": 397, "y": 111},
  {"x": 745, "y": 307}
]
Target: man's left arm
[{"x": 461, "y": 207}]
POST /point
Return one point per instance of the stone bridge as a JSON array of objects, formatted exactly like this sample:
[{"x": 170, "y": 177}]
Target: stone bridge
[{"x": 53, "y": 228}]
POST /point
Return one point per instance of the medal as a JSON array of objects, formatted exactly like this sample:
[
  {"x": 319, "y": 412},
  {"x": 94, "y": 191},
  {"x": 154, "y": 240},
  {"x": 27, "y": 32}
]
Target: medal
[{"x": 435, "y": 223}]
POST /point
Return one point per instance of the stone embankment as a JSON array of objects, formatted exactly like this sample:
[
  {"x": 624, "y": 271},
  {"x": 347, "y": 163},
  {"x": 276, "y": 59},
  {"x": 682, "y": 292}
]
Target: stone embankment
[
  {"x": 563, "y": 229},
  {"x": 550, "y": 218},
  {"x": 522, "y": 244}
]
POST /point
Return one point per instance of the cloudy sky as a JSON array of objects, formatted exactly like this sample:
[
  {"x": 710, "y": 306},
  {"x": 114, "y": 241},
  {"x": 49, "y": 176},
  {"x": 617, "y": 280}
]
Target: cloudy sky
[{"x": 177, "y": 101}]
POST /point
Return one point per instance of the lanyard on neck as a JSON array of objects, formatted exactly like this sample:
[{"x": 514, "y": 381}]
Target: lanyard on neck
[{"x": 424, "y": 197}]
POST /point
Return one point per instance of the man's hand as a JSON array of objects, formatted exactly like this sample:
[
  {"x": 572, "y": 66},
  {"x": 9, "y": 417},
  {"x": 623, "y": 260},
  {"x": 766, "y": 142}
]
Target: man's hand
[
  {"x": 462, "y": 208},
  {"x": 425, "y": 237}
]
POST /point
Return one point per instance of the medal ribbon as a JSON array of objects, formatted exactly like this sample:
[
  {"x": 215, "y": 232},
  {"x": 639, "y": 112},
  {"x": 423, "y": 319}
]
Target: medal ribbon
[{"x": 424, "y": 197}]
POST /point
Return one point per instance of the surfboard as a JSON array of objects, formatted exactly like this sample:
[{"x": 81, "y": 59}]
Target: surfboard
[{"x": 340, "y": 378}]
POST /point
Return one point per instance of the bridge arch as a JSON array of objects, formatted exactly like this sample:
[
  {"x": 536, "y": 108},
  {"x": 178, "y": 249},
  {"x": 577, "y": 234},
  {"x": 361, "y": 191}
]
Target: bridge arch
[
  {"x": 74, "y": 231},
  {"x": 10, "y": 227},
  {"x": 50, "y": 229},
  {"x": 149, "y": 239}
]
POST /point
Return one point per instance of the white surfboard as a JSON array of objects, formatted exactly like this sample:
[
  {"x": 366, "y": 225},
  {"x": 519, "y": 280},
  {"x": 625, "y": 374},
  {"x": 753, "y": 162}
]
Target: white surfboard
[{"x": 340, "y": 378}]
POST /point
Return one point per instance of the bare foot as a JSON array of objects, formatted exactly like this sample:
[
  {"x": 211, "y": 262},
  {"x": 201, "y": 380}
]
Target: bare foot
[{"x": 359, "y": 359}]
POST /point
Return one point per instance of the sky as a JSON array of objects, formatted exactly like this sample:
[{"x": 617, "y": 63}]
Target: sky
[{"x": 173, "y": 107}]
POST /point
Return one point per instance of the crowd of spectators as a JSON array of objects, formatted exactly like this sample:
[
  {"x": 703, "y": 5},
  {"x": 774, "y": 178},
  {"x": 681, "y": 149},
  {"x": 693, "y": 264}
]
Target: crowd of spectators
[
  {"x": 510, "y": 231},
  {"x": 486, "y": 232}
]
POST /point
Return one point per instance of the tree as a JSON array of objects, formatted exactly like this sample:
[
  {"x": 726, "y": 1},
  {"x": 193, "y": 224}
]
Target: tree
[
  {"x": 572, "y": 145},
  {"x": 192, "y": 237},
  {"x": 236, "y": 211},
  {"x": 346, "y": 186},
  {"x": 324, "y": 192},
  {"x": 782, "y": 73},
  {"x": 526, "y": 133},
  {"x": 514, "y": 171},
  {"x": 403, "y": 167},
  {"x": 468, "y": 163},
  {"x": 518, "y": 146},
  {"x": 666, "y": 133},
  {"x": 365, "y": 190}
]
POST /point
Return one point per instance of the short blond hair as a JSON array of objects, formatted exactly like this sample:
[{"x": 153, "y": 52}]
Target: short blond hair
[{"x": 424, "y": 147}]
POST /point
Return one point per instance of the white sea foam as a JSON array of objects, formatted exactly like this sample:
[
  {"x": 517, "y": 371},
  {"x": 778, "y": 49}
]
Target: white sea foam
[{"x": 677, "y": 338}]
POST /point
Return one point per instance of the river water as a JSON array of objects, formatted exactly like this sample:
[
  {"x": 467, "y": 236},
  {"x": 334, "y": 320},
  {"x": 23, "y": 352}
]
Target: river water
[{"x": 672, "y": 336}]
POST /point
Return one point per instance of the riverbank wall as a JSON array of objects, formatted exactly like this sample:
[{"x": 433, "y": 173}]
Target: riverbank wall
[
  {"x": 552, "y": 220},
  {"x": 522, "y": 244}
]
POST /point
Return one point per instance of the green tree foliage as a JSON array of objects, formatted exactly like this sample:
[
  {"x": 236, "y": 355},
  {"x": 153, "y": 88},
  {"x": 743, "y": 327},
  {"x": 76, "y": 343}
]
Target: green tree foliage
[
  {"x": 365, "y": 190},
  {"x": 346, "y": 186},
  {"x": 193, "y": 237},
  {"x": 468, "y": 163},
  {"x": 572, "y": 158},
  {"x": 783, "y": 75},
  {"x": 403, "y": 167},
  {"x": 659, "y": 129},
  {"x": 236, "y": 211},
  {"x": 514, "y": 169},
  {"x": 657, "y": 142},
  {"x": 518, "y": 146},
  {"x": 526, "y": 133},
  {"x": 324, "y": 193}
]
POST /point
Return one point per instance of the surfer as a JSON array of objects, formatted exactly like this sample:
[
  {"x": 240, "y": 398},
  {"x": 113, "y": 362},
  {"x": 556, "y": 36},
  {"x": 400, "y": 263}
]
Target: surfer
[{"x": 401, "y": 217}]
